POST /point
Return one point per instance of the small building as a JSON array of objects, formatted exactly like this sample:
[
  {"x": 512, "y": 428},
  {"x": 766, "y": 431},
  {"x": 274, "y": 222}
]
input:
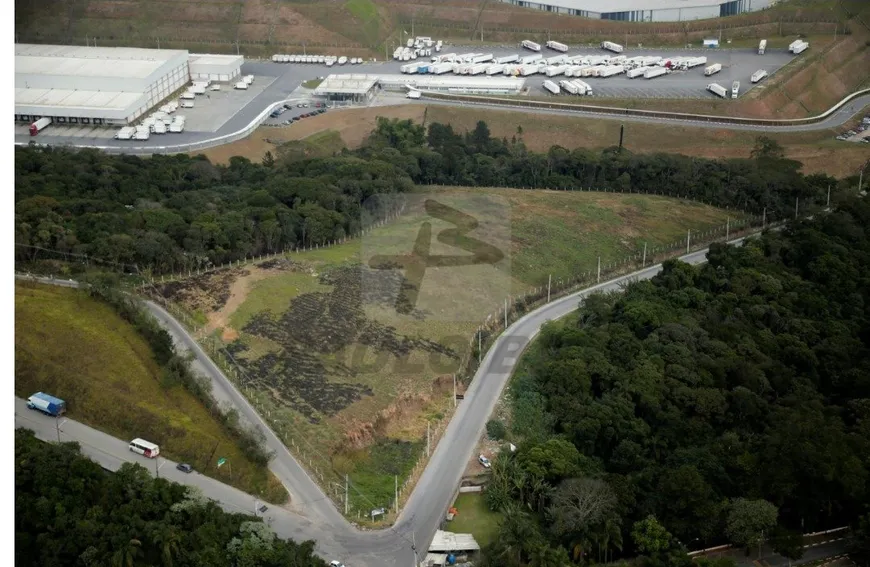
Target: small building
[
  {"x": 217, "y": 68},
  {"x": 357, "y": 89},
  {"x": 449, "y": 542}
]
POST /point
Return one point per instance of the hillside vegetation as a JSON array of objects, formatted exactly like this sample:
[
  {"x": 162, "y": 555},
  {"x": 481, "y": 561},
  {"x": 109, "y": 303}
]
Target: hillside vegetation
[
  {"x": 79, "y": 349},
  {"x": 69, "y": 511},
  {"x": 724, "y": 402}
]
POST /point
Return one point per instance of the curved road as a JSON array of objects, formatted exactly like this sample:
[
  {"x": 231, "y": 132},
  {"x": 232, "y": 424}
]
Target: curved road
[{"x": 312, "y": 514}]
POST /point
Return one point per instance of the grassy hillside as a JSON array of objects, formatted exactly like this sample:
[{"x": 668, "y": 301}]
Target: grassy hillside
[
  {"x": 817, "y": 150},
  {"x": 78, "y": 349},
  {"x": 326, "y": 350}
]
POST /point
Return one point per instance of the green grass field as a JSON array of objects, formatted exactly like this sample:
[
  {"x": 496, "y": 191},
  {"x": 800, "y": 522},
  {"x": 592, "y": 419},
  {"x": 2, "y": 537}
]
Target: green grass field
[
  {"x": 333, "y": 354},
  {"x": 475, "y": 518},
  {"x": 80, "y": 350}
]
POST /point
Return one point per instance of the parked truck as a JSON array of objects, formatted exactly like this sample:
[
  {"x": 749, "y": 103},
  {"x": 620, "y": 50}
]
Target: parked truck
[
  {"x": 441, "y": 68},
  {"x": 693, "y": 62},
  {"x": 570, "y": 87},
  {"x": 39, "y": 125},
  {"x": 798, "y": 47},
  {"x": 554, "y": 70},
  {"x": 478, "y": 69},
  {"x": 552, "y": 87},
  {"x": 526, "y": 70},
  {"x": 610, "y": 46},
  {"x": 735, "y": 89},
  {"x": 47, "y": 404},
  {"x": 653, "y": 72},
  {"x": 718, "y": 90},
  {"x": 584, "y": 85},
  {"x": 636, "y": 72},
  {"x": 557, "y": 60},
  {"x": 482, "y": 58},
  {"x": 556, "y": 46},
  {"x": 762, "y": 45},
  {"x": 496, "y": 69},
  {"x": 758, "y": 75},
  {"x": 125, "y": 133},
  {"x": 529, "y": 44},
  {"x": 508, "y": 59},
  {"x": 531, "y": 59},
  {"x": 712, "y": 69},
  {"x": 611, "y": 70}
]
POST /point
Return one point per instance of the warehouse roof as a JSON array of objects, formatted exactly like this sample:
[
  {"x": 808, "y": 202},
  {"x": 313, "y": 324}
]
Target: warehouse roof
[
  {"x": 122, "y": 62},
  {"x": 449, "y": 541},
  {"x": 346, "y": 84},
  {"x": 609, "y": 6},
  {"x": 213, "y": 59},
  {"x": 71, "y": 99}
]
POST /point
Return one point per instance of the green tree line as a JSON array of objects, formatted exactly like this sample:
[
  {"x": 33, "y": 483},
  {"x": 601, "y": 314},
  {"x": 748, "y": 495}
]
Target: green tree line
[
  {"x": 168, "y": 214},
  {"x": 727, "y": 402},
  {"x": 69, "y": 511}
]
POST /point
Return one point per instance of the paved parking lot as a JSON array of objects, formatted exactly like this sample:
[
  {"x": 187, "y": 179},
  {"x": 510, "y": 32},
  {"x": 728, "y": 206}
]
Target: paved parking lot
[{"x": 214, "y": 108}]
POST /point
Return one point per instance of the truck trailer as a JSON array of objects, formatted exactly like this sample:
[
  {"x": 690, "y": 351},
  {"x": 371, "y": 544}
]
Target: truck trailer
[
  {"x": 584, "y": 85},
  {"x": 526, "y": 70},
  {"x": 569, "y": 87},
  {"x": 496, "y": 69},
  {"x": 529, "y": 44},
  {"x": 798, "y": 47},
  {"x": 611, "y": 70},
  {"x": 552, "y": 87},
  {"x": 610, "y": 46},
  {"x": 531, "y": 59},
  {"x": 508, "y": 59},
  {"x": 482, "y": 58},
  {"x": 440, "y": 68},
  {"x": 554, "y": 70},
  {"x": 653, "y": 72},
  {"x": 47, "y": 404},
  {"x": 478, "y": 68},
  {"x": 712, "y": 69},
  {"x": 735, "y": 89},
  {"x": 758, "y": 75},
  {"x": 39, "y": 125},
  {"x": 125, "y": 133},
  {"x": 762, "y": 45},
  {"x": 557, "y": 60},
  {"x": 556, "y": 46},
  {"x": 718, "y": 90},
  {"x": 636, "y": 72}
]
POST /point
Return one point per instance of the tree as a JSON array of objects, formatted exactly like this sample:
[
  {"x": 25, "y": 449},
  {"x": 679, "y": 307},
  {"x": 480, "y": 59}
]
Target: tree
[
  {"x": 495, "y": 429},
  {"x": 748, "y": 520},
  {"x": 767, "y": 148},
  {"x": 788, "y": 543},
  {"x": 579, "y": 504},
  {"x": 650, "y": 536}
]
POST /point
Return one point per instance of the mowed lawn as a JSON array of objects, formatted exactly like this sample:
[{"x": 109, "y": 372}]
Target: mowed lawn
[
  {"x": 474, "y": 518},
  {"x": 80, "y": 350},
  {"x": 331, "y": 357}
]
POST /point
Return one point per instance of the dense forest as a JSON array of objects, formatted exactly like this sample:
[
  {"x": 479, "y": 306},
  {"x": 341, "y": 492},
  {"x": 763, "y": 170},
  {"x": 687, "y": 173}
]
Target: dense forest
[
  {"x": 69, "y": 511},
  {"x": 167, "y": 214},
  {"x": 728, "y": 402}
]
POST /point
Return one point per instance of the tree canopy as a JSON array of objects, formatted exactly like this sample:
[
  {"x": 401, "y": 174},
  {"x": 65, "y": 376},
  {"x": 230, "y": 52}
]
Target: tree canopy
[{"x": 69, "y": 511}]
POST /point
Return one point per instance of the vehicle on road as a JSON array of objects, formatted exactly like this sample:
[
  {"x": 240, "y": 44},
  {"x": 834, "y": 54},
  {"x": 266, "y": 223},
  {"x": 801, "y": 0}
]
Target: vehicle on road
[
  {"x": 39, "y": 125},
  {"x": 484, "y": 461},
  {"x": 336, "y": 564},
  {"x": 47, "y": 404},
  {"x": 184, "y": 467},
  {"x": 145, "y": 448}
]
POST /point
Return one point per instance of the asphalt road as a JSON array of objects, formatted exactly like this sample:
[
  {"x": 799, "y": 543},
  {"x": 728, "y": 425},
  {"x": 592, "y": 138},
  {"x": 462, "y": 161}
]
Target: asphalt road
[{"x": 312, "y": 514}]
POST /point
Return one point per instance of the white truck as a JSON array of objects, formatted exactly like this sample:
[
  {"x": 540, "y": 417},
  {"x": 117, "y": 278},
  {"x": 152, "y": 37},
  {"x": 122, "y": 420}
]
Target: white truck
[
  {"x": 197, "y": 89},
  {"x": 653, "y": 72},
  {"x": 158, "y": 127},
  {"x": 176, "y": 128},
  {"x": 342, "y": 60},
  {"x": 636, "y": 72},
  {"x": 762, "y": 45},
  {"x": 798, "y": 47},
  {"x": 249, "y": 79},
  {"x": 735, "y": 89},
  {"x": 693, "y": 62},
  {"x": 496, "y": 69},
  {"x": 718, "y": 90},
  {"x": 187, "y": 104},
  {"x": 526, "y": 70},
  {"x": 125, "y": 133},
  {"x": 478, "y": 68},
  {"x": 241, "y": 85},
  {"x": 409, "y": 68},
  {"x": 552, "y": 87},
  {"x": 610, "y": 46},
  {"x": 188, "y": 95},
  {"x": 554, "y": 70},
  {"x": 529, "y": 44},
  {"x": 758, "y": 75},
  {"x": 142, "y": 133},
  {"x": 415, "y": 94},
  {"x": 611, "y": 71},
  {"x": 531, "y": 59},
  {"x": 584, "y": 85},
  {"x": 441, "y": 68},
  {"x": 508, "y": 59},
  {"x": 570, "y": 87},
  {"x": 557, "y": 60},
  {"x": 556, "y": 46},
  {"x": 712, "y": 69},
  {"x": 482, "y": 58}
]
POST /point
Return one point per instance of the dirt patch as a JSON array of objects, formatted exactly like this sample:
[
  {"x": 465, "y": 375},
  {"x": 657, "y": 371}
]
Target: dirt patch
[
  {"x": 205, "y": 293},
  {"x": 238, "y": 293}
]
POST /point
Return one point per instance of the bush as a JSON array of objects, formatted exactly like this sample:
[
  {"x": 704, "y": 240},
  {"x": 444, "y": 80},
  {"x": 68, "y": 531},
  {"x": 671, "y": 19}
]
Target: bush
[{"x": 495, "y": 429}]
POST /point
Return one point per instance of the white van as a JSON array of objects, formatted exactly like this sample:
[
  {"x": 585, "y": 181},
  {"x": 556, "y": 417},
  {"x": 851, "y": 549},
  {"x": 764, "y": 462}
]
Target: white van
[{"x": 143, "y": 447}]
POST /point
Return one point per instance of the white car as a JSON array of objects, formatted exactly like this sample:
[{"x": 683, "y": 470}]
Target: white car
[
  {"x": 484, "y": 461},
  {"x": 336, "y": 564}
]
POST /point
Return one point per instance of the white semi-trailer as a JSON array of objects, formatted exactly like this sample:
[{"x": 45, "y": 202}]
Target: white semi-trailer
[
  {"x": 482, "y": 58},
  {"x": 478, "y": 69},
  {"x": 526, "y": 70},
  {"x": 552, "y": 87},
  {"x": 762, "y": 45},
  {"x": 125, "y": 133},
  {"x": 531, "y": 59},
  {"x": 794, "y": 44},
  {"x": 610, "y": 46},
  {"x": 653, "y": 72},
  {"x": 712, "y": 69},
  {"x": 718, "y": 90},
  {"x": 496, "y": 69},
  {"x": 508, "y": 59},
  {"x": 693, "y": 62},
  {"x": 556, "y": 46},
  {"x": 529, "y": 44},
  {"x": 800, "y": 48},
  {"x": 584, "y": 85},
  {"x": 441, "y": 68},
  {"x": 554, "y": 70},
  {"x": 569, "y": 87},
  {"x": 636, "y": 72},
  {"x": 735, "y": 89},
  {"x": 557, "y": 60},
  {"x": 758, "y": 75}
]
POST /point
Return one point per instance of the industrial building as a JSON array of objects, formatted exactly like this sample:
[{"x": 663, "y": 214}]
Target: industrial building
[
  {"x": 647, "y": 10},
  {"x": 105, "y": 85},
  {"x": 348, "y": 88}
]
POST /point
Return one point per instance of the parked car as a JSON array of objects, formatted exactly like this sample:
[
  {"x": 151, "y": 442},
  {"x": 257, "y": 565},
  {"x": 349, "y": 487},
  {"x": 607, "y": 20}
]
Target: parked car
[
  {"x": 299, "y": 105},
  {"x": 288, "y": 106},
  {"x": 304, "y": 105},
  {"x": 336, "y": 564},
  {"x": 484, "y": 461},
  {"x": 184, "y": 467},
  {"x": 321, "y": 110},
  {"x": 295, "y": 118}
]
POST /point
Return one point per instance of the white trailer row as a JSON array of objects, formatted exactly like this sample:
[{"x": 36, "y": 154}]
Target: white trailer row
[{"x": 328, "y": 60}]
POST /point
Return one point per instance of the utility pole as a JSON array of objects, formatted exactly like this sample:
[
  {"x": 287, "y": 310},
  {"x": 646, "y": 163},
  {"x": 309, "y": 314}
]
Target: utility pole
[
  {"x": 505, "y": 313},
  {"x": 688, "y": 240},
  {"x": 828, "y": 203},
  {"x": 345, "y": 495},
  {"x": 549, "y": 283},
  {"x": 599, "y": 270},
  {"x": 764, "y": 218},
  {"x": 796, "y": 199},
  {"x": 454, "y": 390},
  {"x": 428, "y": 438},
  {"x": 861, "y": 178},
  {"x": 643, "y": 262},
  {"x": 727, "y": 228},
  {"x": 396, "y": 480},
  {"x": 479, "y": 346}
]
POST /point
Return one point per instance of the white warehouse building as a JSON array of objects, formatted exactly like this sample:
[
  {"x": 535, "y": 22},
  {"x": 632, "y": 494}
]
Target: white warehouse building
[
  {"x": 217, "y": 68},
  {"x": 105, "y": 85},
  {"x": 646, "y": 10}
]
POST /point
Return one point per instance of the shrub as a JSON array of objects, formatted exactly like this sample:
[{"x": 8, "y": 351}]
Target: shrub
[{"x": 495, "y": 429}]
